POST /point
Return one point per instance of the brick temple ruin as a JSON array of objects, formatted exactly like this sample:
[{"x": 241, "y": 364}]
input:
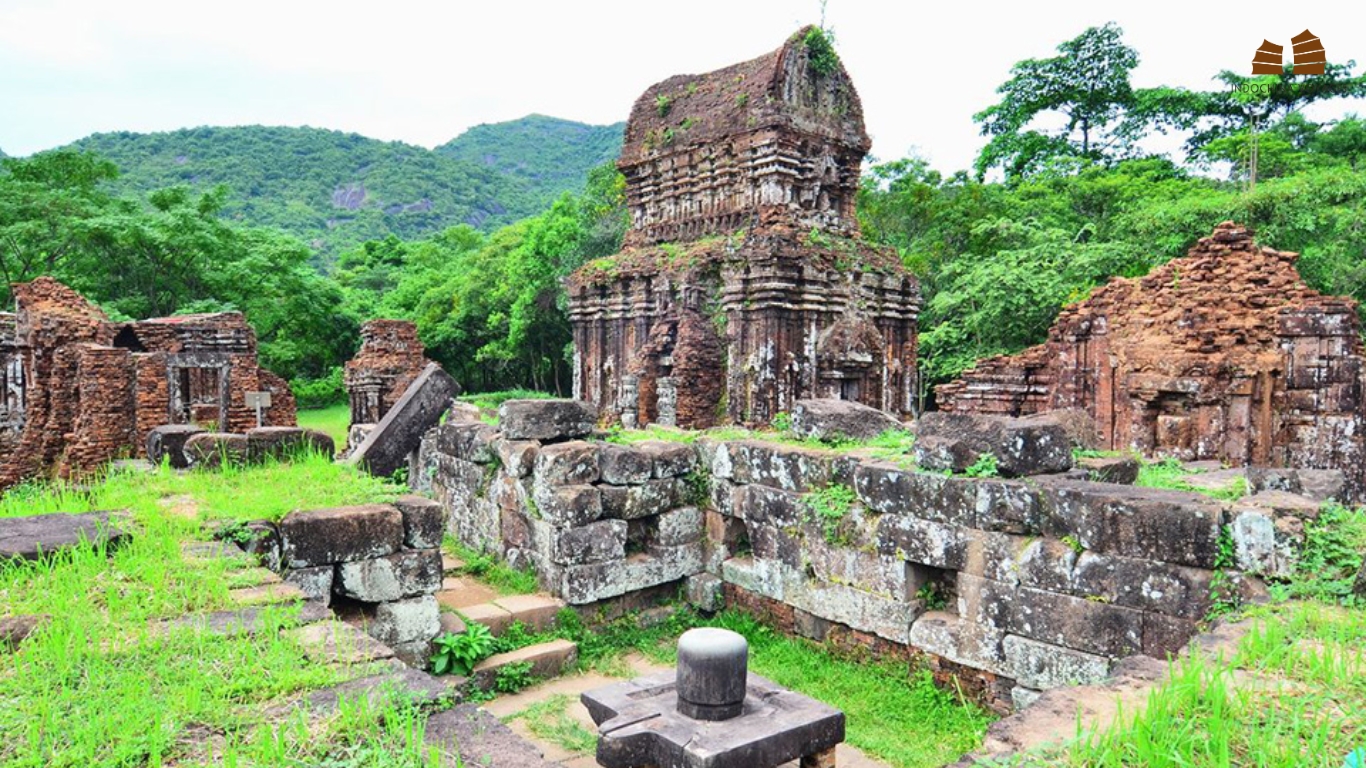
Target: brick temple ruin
[
  {"x": 1223, "y": 354},
  {"x": 391, "y": 357},
  {"x": 81, "y": 390},
  {"x": 743, "y": 284}
]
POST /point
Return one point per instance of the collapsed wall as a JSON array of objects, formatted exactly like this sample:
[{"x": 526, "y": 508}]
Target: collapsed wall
[
  {"x": 1013, "y": 586},
  {"x": 743, "y": 284},
  {"x": 1223, "y": 354},
  {"x": 80, "y": 389}
]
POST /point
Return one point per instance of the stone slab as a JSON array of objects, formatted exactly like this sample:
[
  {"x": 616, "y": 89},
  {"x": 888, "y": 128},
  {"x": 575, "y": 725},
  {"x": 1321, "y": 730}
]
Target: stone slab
[
  {"x": 249, "y": 621},
  {"x": 474, "y": 737},
  {"x": 340, "y": 534},
  {"x": 424, "y": 522},
  {"x": 400, "y": 432},
  {"x": 333, "y": 642},
  {"x": 546, "y": 660},
  {"x": 266, "y": 594},
  {"x": 546, "y": 420},
  {"x": 536, "y": 612},
  {"x": 38, "y": 536},
  {"x": 406, "y": 573},
  {"x": 406, "y": 621}
]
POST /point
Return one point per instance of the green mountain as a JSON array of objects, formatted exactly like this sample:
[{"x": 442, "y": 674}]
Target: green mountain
[{"x": 549, "y": 154}]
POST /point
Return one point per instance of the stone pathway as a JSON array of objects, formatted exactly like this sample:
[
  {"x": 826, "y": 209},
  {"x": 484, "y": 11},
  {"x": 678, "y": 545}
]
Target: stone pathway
[{"x": 39, "y": 536}]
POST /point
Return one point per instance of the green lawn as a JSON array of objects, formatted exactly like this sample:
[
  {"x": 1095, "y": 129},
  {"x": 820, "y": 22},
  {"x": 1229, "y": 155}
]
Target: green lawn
[{"x": 335, "y": 420}]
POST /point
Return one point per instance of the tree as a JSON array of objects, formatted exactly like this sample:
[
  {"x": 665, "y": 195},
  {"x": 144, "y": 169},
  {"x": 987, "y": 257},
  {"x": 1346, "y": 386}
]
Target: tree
[{"x": 1087, "y": 84}]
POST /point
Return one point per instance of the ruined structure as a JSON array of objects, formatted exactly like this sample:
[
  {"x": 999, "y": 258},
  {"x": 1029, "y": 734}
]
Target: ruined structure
[
  {"x": 80, "y": 389},
  {"x": 1224, "y": 354},
  {"x": 390, "y": 358},
  {"x": 743, "y": 284}
]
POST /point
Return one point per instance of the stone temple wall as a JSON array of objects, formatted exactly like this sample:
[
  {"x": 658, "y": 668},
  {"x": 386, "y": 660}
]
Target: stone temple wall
[
  {"x": 743, "y": 284},
  {"x": 1224, "y": 354},
  {"x": 1013, "y": 586},
  {"x": 390, "y": 358},
  {"x": 81, "y": 390}
]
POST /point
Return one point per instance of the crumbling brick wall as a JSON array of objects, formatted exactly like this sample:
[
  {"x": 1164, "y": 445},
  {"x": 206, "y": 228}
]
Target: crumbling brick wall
[
  {"x": 1222, "y": 354},
  {"x": 92, "y": 389},
  {"x": 391, "y": 356},
  {"x": 743, "y": 254}
]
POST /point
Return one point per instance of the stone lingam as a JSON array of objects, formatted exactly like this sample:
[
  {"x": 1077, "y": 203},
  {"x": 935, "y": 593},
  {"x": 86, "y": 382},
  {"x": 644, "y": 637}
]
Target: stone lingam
[{"x": 711, "y": 713}]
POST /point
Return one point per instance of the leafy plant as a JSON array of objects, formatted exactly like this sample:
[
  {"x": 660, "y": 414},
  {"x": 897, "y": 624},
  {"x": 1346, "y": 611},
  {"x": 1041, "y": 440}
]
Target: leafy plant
[
  {"x": 513, "y": 677},
  {"x": 663, "y": 104},
  {"x": 932, "y": 595},
  {"x": 820, "y": 51},
  {"x": 458, "y": 653},
  {"x": 985, "y": 466},
  {"x": 1334, "y": 546},
  {"x": 1073, "y": 543},
  {"x": 782, "y": 421},
  {"x": 828, "y": 508}
]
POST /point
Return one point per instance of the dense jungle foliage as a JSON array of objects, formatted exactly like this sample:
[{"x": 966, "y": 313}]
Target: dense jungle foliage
[{"x": 1043, "y": 218}]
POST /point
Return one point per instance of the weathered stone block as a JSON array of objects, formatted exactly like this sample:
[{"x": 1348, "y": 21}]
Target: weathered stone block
[
  {"x": 571, "y": 463},
  {"x": 1121, "y": 470},
  {"x": 887, "y": 489},
  {"x": 1146, "y": 523},
  {"x": 424, "y": 522},
  {"x": 1164, "y": 636},
  {"x": 568, "y": 506},
  {"x": 599, "y": 581},
  {"x": 865, "y": 611},
  {"x": 785, "y": 467},
  {"x": 167, "y": 443},
  {"x": 1173, "y": 590},
  {"x": 408, "y": 573},
  {"x": 538, "y": 613},
  {"x": 706, "y": 592},
  {"x": 637, "y": 501},
  {"x": 546, "y": 420},
  {"x": 472, "y": 441},
  {"x": 211, "y": 450},
  {"x": 852, "y": 565},
  {"x": 830, "y": 419},
  {"x": 518, "y": 457},
  {"x": 669, "y": 459},
  {"x": 923, "y": 541},
  {"x": 1048, "y": 564},
  {"x": 625, "y": 465},
  {"x": 314, "y": 582},
  {"x": 1041, "y": 665},
  {"x": 340, "y": 534},
  {"x": 678, "y": 527},
  {"x": 400, "y": 432},
  {"x": 761, "y": 505},
  {"x": 767, "y": 578},
  {"x": 1085, "y": 625},
  {"x": 406, "y": 621},
  {"x": 770, "y": 542},
  {"x": 1009, "y": 506},
  {"x": 590, "y": 543},
  {"x": 961, "y": 642},
  {"x": 1025, "y": 446}
]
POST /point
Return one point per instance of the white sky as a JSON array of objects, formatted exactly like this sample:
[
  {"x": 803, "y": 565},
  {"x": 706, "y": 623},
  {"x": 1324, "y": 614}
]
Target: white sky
[{"x": 422, "y": 72}]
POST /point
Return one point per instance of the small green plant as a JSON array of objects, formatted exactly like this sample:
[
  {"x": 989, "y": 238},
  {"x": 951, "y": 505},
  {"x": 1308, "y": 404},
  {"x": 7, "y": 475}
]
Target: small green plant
[
  {"x": 741, "y": 99},
  {"x": 687, "y": 123},
  {"x": 828, "y": 508},
  {"x": 985, "y": 466},
  {"x": 782, "y": 421},
  {"x": 459, "y": 653},
  {"x": 932, "y": 596},
  {"x": 1073, "y": 543},
  {"x": 513, "y": 677},
  {"x": 820, "y": 51},
  {"x": 697, "y": 485},
  {"x": 1223, "y": 592},
  {"x": 1334, "y": 546},
  {"x": 663, "y": 104}
]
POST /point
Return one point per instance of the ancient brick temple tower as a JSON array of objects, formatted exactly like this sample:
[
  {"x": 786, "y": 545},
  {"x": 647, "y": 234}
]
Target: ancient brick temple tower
[
  {"x": 743, "y": 284},
  {"x": 390, "y": 358},
  {"x": 1223, "y": 354}
]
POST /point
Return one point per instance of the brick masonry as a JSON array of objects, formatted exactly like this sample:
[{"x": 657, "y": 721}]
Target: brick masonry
[{"x": 390, "y": 358}]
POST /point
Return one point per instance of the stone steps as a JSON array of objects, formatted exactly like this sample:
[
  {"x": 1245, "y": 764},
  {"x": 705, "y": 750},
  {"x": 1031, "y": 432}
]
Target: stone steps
[
  {"x": 537, "y": 613},
  {"x": 546, "y": 660}
]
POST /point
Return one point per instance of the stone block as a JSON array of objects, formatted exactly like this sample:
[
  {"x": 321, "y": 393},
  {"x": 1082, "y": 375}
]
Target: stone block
[
  {"x": 1033, "y": 445},
  {"x": 1022, "y": 697},
  {"x": 1047, "y": 564},
  {"x": 546, "y": 660},
  {"x": 314, "y": 582},
  {"x": 767, "y": 578},
  {"x": 211, "y": 450},
  {"x": 1146, "y": 523},
  {"x": 785, "y": 467},
  {"x": 332, "y": 642},
  {"x": 865, "y": 611},
  {"x": 761, "y": 505},
  {"x": 1042, "y": 665},
  {"x": 406, "y": 621},
  {"x": 547, "y": 420},
  {"x": 518, "y": 457},
  {"x": 568, "y": 506},
  {"x": 538, "y": 613},
  {"x": 167, "y": 443},
  {"x": 810, "y": 626},
  {"x": 1164, "y": 636},
  {"x": 590, "y": 583},
  {"x": 451, "y": 623},
  {"x": 769, "y": 542},
  {"x": 472, "y": 441},
  {"x": 261, "y": 540},
  {"x": 1121, "y": 470},
  {"x": 1074, "y": 622},
  {"x": 625, "y": 465},
  {"x": 1008, "y": 506},
  {"x": 424, "y": 522},
  {"x": 408, "y": 573},
  {"x": 590, "y": 543},
  {"x": 950, "y": 637},
  {"x": 669, "y": 459},
  {"x": 400, "y": 432},
  {"x": 678, "y": 527},
  {"x": 832, "y": 419},
  {"x": 491, "y": 615},
  {"x": 923, "y": 541},
  {"x": 706, "y": 592},
  {"x": 1316, "y": 484},
  {"x": 340, "y": 534},
  {"x": 273, "y": 442},
  {"x": 636, "y": 501},
  {"x": 1173, "y": 590},
  {"x": 571, "y": 463},
  {"x": 888, "y": 489}
]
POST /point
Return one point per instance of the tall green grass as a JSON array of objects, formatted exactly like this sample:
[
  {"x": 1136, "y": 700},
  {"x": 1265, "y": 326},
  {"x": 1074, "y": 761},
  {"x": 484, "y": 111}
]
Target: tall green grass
[{"x": 335, "y": 420}]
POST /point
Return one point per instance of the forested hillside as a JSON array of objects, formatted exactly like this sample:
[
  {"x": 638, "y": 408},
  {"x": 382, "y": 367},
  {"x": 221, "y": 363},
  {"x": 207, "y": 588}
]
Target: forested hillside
[
  {"x": 550, "y": 154},
  {"x": 335, "y": 190}
]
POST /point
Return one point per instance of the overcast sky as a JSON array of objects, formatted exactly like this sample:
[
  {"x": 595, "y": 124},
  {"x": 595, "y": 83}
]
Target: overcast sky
[{"x": 422, "y": 72}]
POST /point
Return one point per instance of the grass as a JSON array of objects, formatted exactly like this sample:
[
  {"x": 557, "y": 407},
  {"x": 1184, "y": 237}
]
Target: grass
[
  {"x": 491, "y": 570},
  {"x": 550, "y": 720},
  {"x": 335, "y": 420},
  {"x": 1168, "y": 473},
  {"x": 265, "y": 491},
  {"x": 106, "y": 683},
  {"x": 1293, "y": 695},
  {"x": 489, "y": 401}
]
